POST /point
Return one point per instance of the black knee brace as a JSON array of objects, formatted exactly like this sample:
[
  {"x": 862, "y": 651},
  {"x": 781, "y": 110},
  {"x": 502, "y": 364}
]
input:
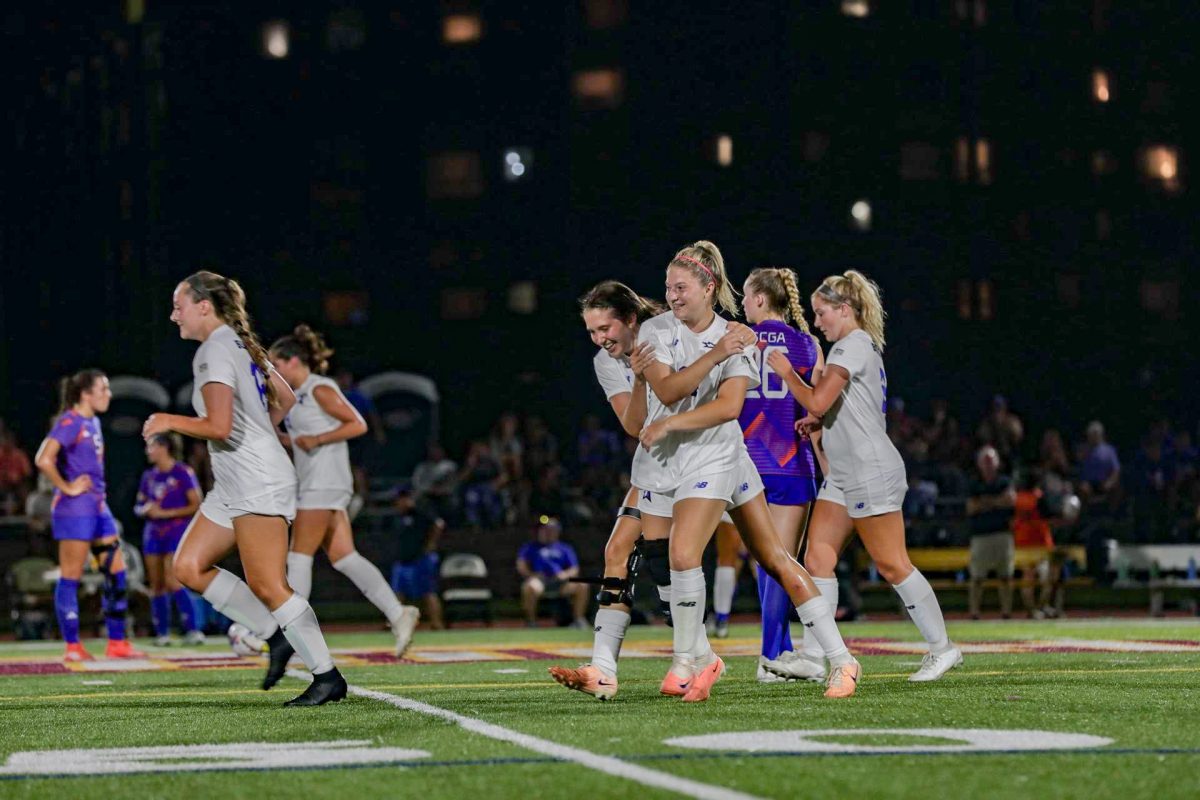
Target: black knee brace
[
  {"x": 657, "y": 553},
  {"x": 629, "y": 511},
  {"x": 105, "y": 555}
]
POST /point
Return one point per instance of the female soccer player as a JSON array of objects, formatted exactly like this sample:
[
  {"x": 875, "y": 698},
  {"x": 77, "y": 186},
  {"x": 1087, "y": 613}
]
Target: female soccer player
[
  {"x": 240, "y": 400},
  {"x": 702, "y": 447},
  {"x": 319, "y": 425},
  {"x": 771, "y": 300},
  {"x": 865, "y": 485},
  {"x": 168, "y": 496},
  {"x": 72, "y": 457}
]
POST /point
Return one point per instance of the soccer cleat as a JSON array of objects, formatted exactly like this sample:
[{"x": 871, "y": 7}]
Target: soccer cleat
[
  {"x": 75, "y": 653},
  {"x": 121, "y": 648},
  {"x": 843, "y": 679},
  {"x": 703, "y": 682},
  {"x": 404, "y": 626},
  {"x": 795, "y": 666},
  {"x": 764, "y": 676},
  {"x": 935, "y": 666},
  {"x": 162, "y": 641},
  {"x": 587, "y": 679},
  {"x": 679, "y": 678},
  {"x": 328, "y": 687},
  {"x": 280, "y": 653},
  {"x": 721, "y": 629},
  {"x": 195, "y": 638}
]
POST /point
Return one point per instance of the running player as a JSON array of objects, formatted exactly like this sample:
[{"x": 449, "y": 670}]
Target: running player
[
  {"x": 319, "y": 425},
  {"x": 771, "y": 300},
  {"x": 709, "y": 470},
  {"x": 72, "y": 458},
  {"x": 168, "y": 497},
  {"x": 865, "y": 484},
  {"x": 240, "y": 400}
]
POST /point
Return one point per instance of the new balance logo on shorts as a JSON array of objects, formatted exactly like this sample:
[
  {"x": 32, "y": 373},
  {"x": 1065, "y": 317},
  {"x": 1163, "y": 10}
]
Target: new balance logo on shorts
[
  {"x": 860, "y": 506},
  {"x": 646, "y": 496},
  {"x": 745, "y": 486},
  {"x": 686, "y": 604},
  {"x": 702, "y": 485}
]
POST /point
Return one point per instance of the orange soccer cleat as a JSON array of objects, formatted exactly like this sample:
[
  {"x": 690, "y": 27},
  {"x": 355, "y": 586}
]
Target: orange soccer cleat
[
  {"x": 679, "y": 678},
  {"x": 587, "y": 679},
  {"x": 703, "y": 682},
  {"x": 76, "y": 653},
  {"x": 843, "y": 679},
  {"x": 121, "y": 648}
]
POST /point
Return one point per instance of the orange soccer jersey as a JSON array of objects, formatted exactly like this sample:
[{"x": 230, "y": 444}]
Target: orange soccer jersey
[{"x": 1030, "y": 528}]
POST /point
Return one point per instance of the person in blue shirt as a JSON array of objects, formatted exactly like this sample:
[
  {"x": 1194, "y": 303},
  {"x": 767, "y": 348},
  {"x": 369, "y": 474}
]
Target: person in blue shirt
[{"x": 546, "y": 566}]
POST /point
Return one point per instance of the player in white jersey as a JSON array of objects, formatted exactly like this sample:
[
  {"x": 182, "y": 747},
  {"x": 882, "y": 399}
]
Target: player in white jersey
[
  {"x": 865, "y": 482},
  {"x": 239, "y": 401},
  {"x": 701, "y": 444},
  {"x": 318, "y": 426}
]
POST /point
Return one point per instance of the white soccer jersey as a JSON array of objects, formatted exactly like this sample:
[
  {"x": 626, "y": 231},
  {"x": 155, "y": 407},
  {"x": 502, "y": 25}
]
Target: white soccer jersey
[
  {"x": 855, "y": 428},
  {"x": 327, "y": 466},
  {"x": 616, "y": 377},
  {"x": 718, "y": 449},
  {"x": 251, "y": 463}
]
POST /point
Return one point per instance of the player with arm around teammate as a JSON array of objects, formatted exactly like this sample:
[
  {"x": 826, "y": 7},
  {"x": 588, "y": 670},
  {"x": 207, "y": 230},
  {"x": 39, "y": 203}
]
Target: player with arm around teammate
[
  {"x": 702, "y": 446},
  {"x": 72, "y": 458},
  {"x": 240, "y": 401},
  {"x": 168, "y": 497},
  {"x": 865, "y": 484},
  {"x": 771, "y": 300},
  {"x": 319, "y": 425}
]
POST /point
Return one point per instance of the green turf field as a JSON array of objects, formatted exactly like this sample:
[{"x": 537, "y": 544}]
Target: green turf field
[{"x": 500, "y": 728}]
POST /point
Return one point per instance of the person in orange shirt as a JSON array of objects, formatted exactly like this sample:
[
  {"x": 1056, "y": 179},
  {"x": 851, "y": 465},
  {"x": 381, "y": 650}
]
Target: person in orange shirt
[{"x": 1031, "y": 528}]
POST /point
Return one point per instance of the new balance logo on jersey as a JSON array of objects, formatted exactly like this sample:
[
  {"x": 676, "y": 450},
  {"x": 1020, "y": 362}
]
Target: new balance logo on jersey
[
  {"x": 686, "y": 604},
  {"x": 708, "y": 345},
  {"x": 597, "y": 628},
  {"x": 702, "y": 485},
  {"x": 860, "y": 506},
  {"x": 202, "y": 368}
]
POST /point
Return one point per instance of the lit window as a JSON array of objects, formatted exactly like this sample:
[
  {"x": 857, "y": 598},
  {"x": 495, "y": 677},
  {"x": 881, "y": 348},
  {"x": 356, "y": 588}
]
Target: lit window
[
  {"x": 347, "y": 308},
  {"x": 517, "y": 161},
  {"x": 723, "y": 151},
  {"x": 599, "y": 88},
  {"x": 977, "y": 156},
  {"x": 455, "y": 174},
  {"x": 962, "y": 159},
  {"x": 276, "y": 36},
  {"x": 1100, "y": 90},
  {"x": 604, "y": 14},
  {"x": 1160, "y": 163},
  {"x": 920, "y": 161},
  {"x": 860, "y": 215},
  {"x": 987, "y": 299},
  {"x": 962, "y": 296},
  {"x": 983, "y": 162},
  {"x": 523, "y": 297},
  {"x": 856, "y": 8},
  {"x": 462, "y": 28}
]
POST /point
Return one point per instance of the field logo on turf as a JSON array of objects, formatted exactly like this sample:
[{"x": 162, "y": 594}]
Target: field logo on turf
[
  {"x": 206, "y": 758},
  {"x": 890, "y": 740}
]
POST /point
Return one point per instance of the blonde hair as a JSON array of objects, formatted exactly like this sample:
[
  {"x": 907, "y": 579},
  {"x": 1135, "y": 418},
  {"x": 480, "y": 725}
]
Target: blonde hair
[
  {"x": 307, "y": 345},
  {"x": 229, "y": 301},
  {"x": 704, "y": 261},
  {"x": 862, "y": 295},
  {"x": 778, "y": 285}
]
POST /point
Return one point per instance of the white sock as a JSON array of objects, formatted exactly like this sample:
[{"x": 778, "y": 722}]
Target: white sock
[
  {"x": 369, "y": 580},
  {"x": 302, "y": 630},
  {"x": 818, "y": 618},
  {"x": 688, "y": 590},
  {"x": 230, "y": 595},
  {"x": 923, "y": 607},
  {"x": 829, "y": 591},
  {"x": 299, "y": 574},
  {"x": 664, "y": 594},
  {"x": 610, "y": 632},
  {"x": 724, "y": 582}
]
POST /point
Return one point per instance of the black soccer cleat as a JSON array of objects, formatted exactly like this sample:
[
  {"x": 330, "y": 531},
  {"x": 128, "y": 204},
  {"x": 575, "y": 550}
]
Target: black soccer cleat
[
  {"x": 281, "y": 652},
  {"x": 328, "y": 687}
]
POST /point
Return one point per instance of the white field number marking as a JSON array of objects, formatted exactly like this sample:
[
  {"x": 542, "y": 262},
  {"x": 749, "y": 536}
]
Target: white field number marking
[
  {"x": 205, "y": 757},
  {"x": 967, "y": 740}
]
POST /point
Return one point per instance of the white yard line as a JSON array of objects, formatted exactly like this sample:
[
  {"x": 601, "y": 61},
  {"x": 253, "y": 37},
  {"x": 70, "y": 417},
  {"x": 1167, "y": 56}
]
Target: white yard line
[{"x": 605, "y": 764}]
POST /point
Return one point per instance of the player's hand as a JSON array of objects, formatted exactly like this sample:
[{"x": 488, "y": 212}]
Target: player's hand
[
  {"x": 641, "y": 359},
  {"x": 78, "y": 486},
  {"x": 809, "y": 428},
  {"x": 779, "y": 363},
  {"x": 736, "y": 339},
  {"x": 152, "y": 511},
  {"x": 655, "y": 432},
  {"x": 156, "y": 424},
  {"x": 306, "y": 443}
]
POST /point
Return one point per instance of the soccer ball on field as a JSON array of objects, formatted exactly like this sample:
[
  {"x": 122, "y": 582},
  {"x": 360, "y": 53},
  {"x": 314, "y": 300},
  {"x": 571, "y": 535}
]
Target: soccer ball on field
[{"x": 243, "y": 642}]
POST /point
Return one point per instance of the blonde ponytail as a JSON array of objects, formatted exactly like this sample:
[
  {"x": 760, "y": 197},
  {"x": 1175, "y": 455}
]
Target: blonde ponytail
[
  {"x": 864, "y": 298},
  {"x": 229, "y": 303},
  {"x": 703, "y": 259}
]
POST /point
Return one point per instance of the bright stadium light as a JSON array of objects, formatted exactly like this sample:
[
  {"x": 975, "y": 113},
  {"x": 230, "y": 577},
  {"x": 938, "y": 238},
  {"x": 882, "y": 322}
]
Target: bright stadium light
[
  {"x": 860, "y": 215},
  {"x": 275, "y": 39},
  {"x": 517, "y": 161}
]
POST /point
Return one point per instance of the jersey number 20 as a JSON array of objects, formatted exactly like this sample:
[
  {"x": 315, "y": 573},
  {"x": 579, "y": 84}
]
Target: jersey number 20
[{"x": 766, "y": 375}]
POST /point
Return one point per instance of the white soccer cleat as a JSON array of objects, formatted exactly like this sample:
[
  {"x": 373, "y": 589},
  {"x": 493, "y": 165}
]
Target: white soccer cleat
[
  {"x": 795, "y": 666},
  {"x": 404, "y": 626},
  {"x": 195, "y": 638},
  {"x": 763, "y": 676},
  {"x": 162, "y": 641},
  {"x": 244, "y": 642},
  {"x": 935, "y": 666}
]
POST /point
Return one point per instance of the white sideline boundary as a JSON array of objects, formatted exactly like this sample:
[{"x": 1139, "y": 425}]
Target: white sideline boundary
[{"x": 606, "y": 764}]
